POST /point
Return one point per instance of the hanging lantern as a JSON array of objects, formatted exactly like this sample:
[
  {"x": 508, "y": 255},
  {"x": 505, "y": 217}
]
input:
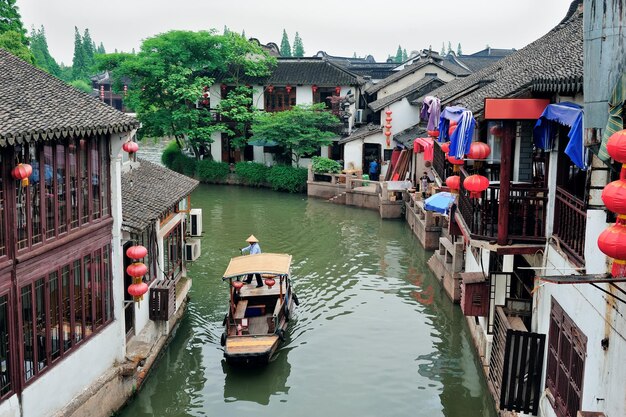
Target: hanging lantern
[
  {"x": 136, "y": 252},
  {"x": 476, "y": 184},
  {"x": 496, "y": 130},
  {"x": 288, "y": 89},
  {"x": 237, "y": 285},
  {"x": 616, "y": 146},
  {"x": 445, "y": 147},
  {"x": 455, "y": 162},
  {"x": 21, "y": 172},
  {"x": 130, "y": 147},
  {"x": 270, "y": 88},
  {"x": 453, "y": 182},
  {"x": 125, "y": 90},
  {"x": 137, "y": 289},
  {"x": 387, "y": 133},
  {"x": 614, "y": 197},
  {"x": 479, "y": 150},
  {"x": 388, "y": 112},
  {"x": 102, "y": 93},
  {"x": 612, "y": 242},
  {"x": 137, "y": 269},
  {"x": 223, "y": 88},
  {"x": 270, "y": 282},
  {"x": 338, "y": 90},
  {"x": 451, "y": 129},
  {"x": 433, "y": 134},
  {"x": 387, "y": 127}
]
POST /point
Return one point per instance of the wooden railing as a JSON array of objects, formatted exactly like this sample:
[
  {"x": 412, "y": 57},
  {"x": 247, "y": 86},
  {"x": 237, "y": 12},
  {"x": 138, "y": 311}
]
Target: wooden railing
[
  {"x": 527, "y": 212},
  {"x": 570, "y": 223},
  {"x": 440, "y": 165}
]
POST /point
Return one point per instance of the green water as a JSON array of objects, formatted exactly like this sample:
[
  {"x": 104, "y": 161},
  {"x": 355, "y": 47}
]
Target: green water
[{"x": 374, "y": 334}]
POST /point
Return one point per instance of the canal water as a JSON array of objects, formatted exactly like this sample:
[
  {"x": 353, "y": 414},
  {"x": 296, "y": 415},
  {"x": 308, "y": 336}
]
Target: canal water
[{"x": 374, "y": 334}]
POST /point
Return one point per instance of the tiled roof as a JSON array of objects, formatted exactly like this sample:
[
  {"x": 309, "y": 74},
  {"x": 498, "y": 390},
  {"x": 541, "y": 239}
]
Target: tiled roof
[
  {"x": 35, "y": 105},
  {"x": 309, "y": 71},
  {"x": 409, "y": 69},
  {"x": 148, "y": 191},
  {"x": 362, "y": 132},
  {"x": 556, "y": 55},
  {"x": 407, "y": 136},
  {"x": 418, "y": 88}
]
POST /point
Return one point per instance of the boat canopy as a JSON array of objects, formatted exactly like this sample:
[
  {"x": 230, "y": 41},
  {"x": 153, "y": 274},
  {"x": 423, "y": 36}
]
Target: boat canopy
[{"x": 262, "y": 263}]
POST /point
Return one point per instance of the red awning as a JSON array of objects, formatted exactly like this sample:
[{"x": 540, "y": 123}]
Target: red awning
[
  {"x": 514, "y": 108},
  {"x": 426, "y": 145}
]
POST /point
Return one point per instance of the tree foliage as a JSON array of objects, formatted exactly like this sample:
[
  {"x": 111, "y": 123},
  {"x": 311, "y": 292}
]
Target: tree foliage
[
  {"x": 39, "y": 48},
  {"x": 88, "y": 51},
  {"x": 12, "y": 42},
  {"x": 298, "y": 131},
  {"x": 285, "y": 48},
  {"x": 298, "y": 46},
  {"x": 79, "y": 68},
  {"x": 398, "y": 57},
  {"x": 449, "y": 51},
  {"x": 11, "y": 20},
  {"x": 170, "y": 73},
  {"x": 405, "y": 56},
  {"x": 459, "y": 51},
  {"x": 443, "y": 50}
]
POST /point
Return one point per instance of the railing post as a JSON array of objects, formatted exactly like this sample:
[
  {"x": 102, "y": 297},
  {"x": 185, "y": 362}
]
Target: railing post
[
  {"x": 310, "y": 174},
  {"x": 505, "y": 184}
]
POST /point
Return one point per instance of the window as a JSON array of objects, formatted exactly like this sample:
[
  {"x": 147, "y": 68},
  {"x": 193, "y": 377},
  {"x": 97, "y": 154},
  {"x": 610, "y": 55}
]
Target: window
[
  {"x": 5, "y": 351},
  {"x": 3, "y": 242},
  {"x": 148, "y": 240},
  {"x": 172, "y": 261},
  {"x": 280, "y": 99},
  {"x": 59, "y": 311},
  {"x": 567, "y": 347}
]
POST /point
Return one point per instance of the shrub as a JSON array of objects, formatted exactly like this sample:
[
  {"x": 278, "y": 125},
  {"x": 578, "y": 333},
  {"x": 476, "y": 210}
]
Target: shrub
[
  {"x": 209, "y": 171},
  {"x": 322, "y": 165},
  {"x": 251, "y": 172},
  {"x": 287, "y": 178},
  {"x": 169, "y": 153}
]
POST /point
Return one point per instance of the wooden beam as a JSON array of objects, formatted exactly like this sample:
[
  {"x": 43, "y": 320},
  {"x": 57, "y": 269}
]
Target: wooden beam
[{"x": 505, "y": 183}]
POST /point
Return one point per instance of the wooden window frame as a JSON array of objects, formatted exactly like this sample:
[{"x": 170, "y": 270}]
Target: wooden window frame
[{"x": 172, "y": 270}]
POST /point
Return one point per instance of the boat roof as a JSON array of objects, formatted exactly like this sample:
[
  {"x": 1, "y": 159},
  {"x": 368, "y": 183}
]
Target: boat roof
[{"x": 262, "y": 263}]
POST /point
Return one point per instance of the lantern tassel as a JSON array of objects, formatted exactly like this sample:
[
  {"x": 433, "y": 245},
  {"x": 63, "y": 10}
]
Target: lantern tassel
[
  {"x": 25, "y": 182},
  {"x": 619, "y": 268}
]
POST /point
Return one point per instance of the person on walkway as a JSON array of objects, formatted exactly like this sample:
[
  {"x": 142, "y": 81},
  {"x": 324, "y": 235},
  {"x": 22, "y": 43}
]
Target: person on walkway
[
  {"x": 374, "y": 170},
  {"x": 424, "y": 182},
  {"x": 253, "y": 248}
]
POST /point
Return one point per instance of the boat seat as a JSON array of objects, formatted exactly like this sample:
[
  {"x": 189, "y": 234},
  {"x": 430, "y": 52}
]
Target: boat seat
[
  {"x": 240, "y": 312},
  {"x": 255, "y": 310}
]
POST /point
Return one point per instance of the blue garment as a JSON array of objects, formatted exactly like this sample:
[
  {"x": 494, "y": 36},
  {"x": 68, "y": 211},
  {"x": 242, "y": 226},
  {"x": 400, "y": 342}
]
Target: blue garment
[
  {"x": 373, "y": 167},
  {"x": 568, "y": 114},
  {"x": 461, "y": 138},
  {"x": 254, "y": 248}
]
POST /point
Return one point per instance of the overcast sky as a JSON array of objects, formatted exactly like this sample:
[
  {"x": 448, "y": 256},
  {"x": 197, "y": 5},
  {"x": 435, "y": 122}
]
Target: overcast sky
[{"x": 337, "y": 27}]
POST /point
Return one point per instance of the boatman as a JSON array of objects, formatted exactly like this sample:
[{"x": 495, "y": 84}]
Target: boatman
[{"x": 253, "y": 248}]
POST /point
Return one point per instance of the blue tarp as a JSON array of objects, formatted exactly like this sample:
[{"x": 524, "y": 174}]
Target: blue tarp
[
  {"x": 568, "y": 114},
  {"x": 440, "y": 202},
  {"x": 461, "y": 138}
]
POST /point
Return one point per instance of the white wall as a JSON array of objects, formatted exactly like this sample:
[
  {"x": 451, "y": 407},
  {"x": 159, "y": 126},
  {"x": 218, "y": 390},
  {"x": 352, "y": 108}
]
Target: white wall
[
  {"x": 304, "y": 94},
  {"x": 404, "y": 116},
  {"x": 413, "y": 78}
]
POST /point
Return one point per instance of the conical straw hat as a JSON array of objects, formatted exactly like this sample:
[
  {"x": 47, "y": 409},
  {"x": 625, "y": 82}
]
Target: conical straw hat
[{"x": 252, "y": 239}]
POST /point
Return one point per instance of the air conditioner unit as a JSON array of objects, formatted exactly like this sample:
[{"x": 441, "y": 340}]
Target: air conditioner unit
[
  {"x": 195, "y": 220},
  {"x": 359, "y": 117},
  {"x": 192, "y": 249}
]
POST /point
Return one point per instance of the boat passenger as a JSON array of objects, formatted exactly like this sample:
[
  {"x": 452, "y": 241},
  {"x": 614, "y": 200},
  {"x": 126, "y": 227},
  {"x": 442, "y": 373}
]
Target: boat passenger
[{"x": 253, "y": 248}]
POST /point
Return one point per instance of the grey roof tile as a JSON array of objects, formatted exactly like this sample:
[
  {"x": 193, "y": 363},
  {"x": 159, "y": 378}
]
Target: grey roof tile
[
  {"x": 35, "y": 105},
  {"x": 418, "y": 88},
  {"x": 148, "y": 191},
  {"x": 362, "y": 132},
  {"x": 309, "y": 71}
]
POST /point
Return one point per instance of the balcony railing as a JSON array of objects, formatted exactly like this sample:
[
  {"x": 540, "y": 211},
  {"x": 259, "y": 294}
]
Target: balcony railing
[
  {"x": 570, "y": 223},
  {"x": 527, "y": 212},
  {"x": 440, "y": 165}
]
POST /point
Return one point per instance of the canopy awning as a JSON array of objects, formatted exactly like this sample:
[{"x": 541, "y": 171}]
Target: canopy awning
[
  {"x": 262, "y": 263},
  {"x": 461, "y": 138},
  {"x": 440, "y": 202},
  {"x": 567, "y": 114},
  {"x": 424, "y": 144}
]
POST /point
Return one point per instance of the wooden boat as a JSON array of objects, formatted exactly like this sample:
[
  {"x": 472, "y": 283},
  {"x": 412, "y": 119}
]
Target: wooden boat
[{"x": 257, "y": 317}]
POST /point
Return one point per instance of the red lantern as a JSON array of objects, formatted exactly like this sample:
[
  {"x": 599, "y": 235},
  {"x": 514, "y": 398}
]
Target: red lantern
[
  {"x": 270, "y": 282},
  {"x": 223, "y": 88},
  {"x": 616, "y": 146},
  {"x": 314, "y": 88},
  {"x": 270, "y": 89},
  {"x": 137, "y": 289},
  {"x": 614, "y": 197},
  {"x": 387, "y": 126},
  {"x": 496, "y": 130},
  {"x": 445, "y": 147},
  {"x": 338, "y": 90},
  {"x": 453, "y": 182},
  {"x": 102, "y": 92},
  {"x": 451, "y": 129},
  {"x": 22, "y": 172},
  {"x": 388, "y": 112},
  {"x": 125, "y": 90},
  {"x": 476, "y": 184},
  {"x": 433, "y": 133},
  {"x": 237, "y": 285},
  {"x": 130, "y": 147},
  {"x": 387, "y": 133},
  {"x": 479, "y": 150},
  {"x": 455, "y": 162},
  {"x": 136, "y": 252},
  {"x": 388, "y": 119},
  {"x": 612, "y": 242},
  {"x": 288, "y": 88},
  {"x": 137, "y": 269}
]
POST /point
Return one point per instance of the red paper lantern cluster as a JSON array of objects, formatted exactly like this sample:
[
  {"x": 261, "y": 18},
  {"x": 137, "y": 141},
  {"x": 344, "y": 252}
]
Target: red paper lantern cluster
[
  {"x": 338, "y": 90},
  {"x": 288, "y": 88},
  {"x": 479, "y": 150},
  {"x": 476, "y": 184},
  {"x": 388, "y": 127},
  {"x": 21, "y": 173},
  {"x": 612, "y": 241},
  {"x": 130, "y": 147},
  {"x": 453, "y": 182},
  {"x": 137, "y": 270},
  {"x": 205, "y": 95}
]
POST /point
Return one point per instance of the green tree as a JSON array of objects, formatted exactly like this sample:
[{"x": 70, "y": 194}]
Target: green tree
[
  {"x": 398, "y": 57},
  {"x": 88, "y": 52},
  {"x": 405, "y": 56},
  {"x": 443, "y": 50},
  {"x": 12, "y": 41},
  {"x": 11, "y": 20},
  {"x": 298, "y": 47},
  {"x": 81, "y": 85},
  {"x": 170, "y": 72},
  {"x": 459, "y": 51},
  {"x": 243, "y": 34},
  {"x": 100, "y": 49},
  {"x": 299, "y": 131},
  {"x": 449, "y": 51},
  {"x": 285, "y": 48},
  {"x": 39, "y": 48},
  {"x": 79, "y": 69}
]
